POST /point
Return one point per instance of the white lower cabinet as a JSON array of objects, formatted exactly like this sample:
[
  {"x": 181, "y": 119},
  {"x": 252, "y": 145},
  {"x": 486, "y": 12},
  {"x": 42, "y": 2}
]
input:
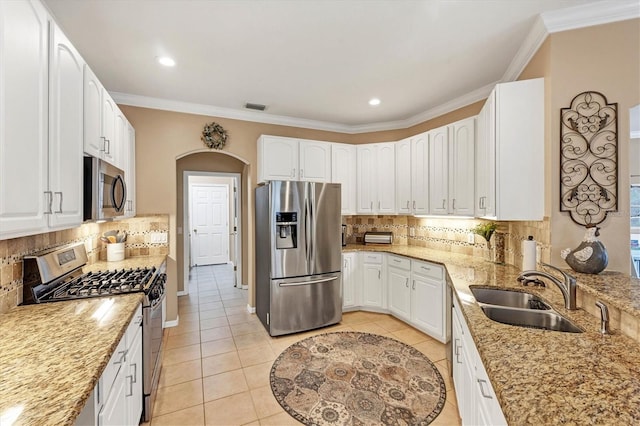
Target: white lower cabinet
[
  {"x": 350, "y": 281},
  {"x": 373, "y": 294},
  {"x": 117, "y": 398},
  {"x": 477, "y": 402},
  {"x": 410, "y": 290}
]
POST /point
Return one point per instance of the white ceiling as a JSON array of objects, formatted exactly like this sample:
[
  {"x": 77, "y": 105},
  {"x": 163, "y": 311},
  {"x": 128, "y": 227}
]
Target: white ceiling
[{"x": 318, "y": 60}]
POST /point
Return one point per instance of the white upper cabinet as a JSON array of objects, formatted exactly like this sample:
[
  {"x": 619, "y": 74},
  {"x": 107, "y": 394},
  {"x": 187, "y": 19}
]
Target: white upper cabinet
[
  {"x": 451, "y": 169},
  {"x": 461, "y": 168},
  {"x": 419, "y": 174},
  {"x": 94, "y": 143},
  {"x": 439, "y": 171},
  {"x": 23, "y": 118},
  {"x": 130, "y": 171},
  {"x": 403, "y": 177},
  {"x": 109, "y": 112},
  {"x": 376, "y": 178},
  {"x": 65, "y": 131},
  {"x": 510, "y": 170},
  {"x": 315, "y": 161},
  {"x": 386, "y": 178},
  {"x": 343, "y": 171},
  {"x": 281, "y": 158}
]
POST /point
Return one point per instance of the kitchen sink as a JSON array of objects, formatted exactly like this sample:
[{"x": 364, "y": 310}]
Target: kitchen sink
[
  {"x": 532, "y": 318},
  {"x": 510, "y": 298}
]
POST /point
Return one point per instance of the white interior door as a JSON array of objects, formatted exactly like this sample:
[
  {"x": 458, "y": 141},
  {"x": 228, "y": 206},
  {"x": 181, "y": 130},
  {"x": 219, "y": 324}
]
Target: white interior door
[{"x": 210, "y": 224}]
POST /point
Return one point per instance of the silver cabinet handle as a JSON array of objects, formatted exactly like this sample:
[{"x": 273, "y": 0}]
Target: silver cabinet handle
[
  {"x": 457, "y": 351},
  {"x": 50, "y": 202},
  {"x": 345, "y": 263},
  {"x": 107, "y": 146},
  {"x": 60, "y": 209},
  {"x": 104, "y": 144},
  {"x": 396, "y": 260},
  {"x": 414, "y": 205},
  {"x": 406, "y": 284},
  {"x": 454, "y": 203},
  {"x": 444, "y": 202},
  {"x": 371, "y": 206},
  {"x": 425, "y": 268},
  {"x": 378, "y": 205},
  {"x": 135, "y": 373},
  {"x": 480, "y": 382},
  {"x": 122, "y": 357},
  {"x": 130, "y": 387},
  {"x": 379, "y": 273},
  {"x": 407, "y": 204},
  {"x": 414, "y": 284},
  {"x": 301, "y": 173}
]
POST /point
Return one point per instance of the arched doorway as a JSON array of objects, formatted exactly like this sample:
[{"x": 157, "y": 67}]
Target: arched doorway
[{"x": 206, "y": 162}]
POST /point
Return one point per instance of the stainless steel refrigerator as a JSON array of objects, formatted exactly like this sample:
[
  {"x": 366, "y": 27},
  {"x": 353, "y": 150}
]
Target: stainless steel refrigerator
[{"x": 298, "y": 256}]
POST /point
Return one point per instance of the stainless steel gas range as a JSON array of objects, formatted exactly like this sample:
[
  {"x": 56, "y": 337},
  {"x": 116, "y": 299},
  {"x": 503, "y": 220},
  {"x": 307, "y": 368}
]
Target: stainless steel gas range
[{"x": 56, "y": 275}]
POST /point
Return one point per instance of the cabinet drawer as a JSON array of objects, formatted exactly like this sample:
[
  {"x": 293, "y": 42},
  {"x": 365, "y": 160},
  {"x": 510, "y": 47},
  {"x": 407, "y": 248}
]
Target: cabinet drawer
[
  {"x": 399, "y": 262},
  {"x": 427, "y": 269},
  {"x": 134, "y": 326},
  {"x": 372, "y": 258}
]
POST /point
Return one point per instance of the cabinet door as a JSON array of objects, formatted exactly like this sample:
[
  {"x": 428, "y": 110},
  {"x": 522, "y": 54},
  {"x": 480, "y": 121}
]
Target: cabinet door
[
  {"x": 489, "y": 133},
  {"x": 461, "y": 168},
  {"x": 130, "y": 171},
  {"x": 349, "y": 280},
  {"x": 109, "y": 111},
  {"x": 315, "y": 161},
  {"x": 134, "y": 379},
  {"x": 427, "y": 306},
  {"x": 404, "y": 181},
  {"x": 343, "y": 171},
  {"x": 439, "y": 171},
  {"x": 114, "y": 411},
  {"x": 386, "y": 178},
  {"x": 94, "y": 144},
  {"x": 366, "y": 181},
  {"x": 120, "y": 150},
  {"x": 278, "y": 158},
  {"x": 398, "y": 282},
  {"x": 372, "y": 285},
  {"x": 23, "y": 118},
  {"x": 420, "y": 174},
  {"x": 65, "y": 131},
  {"x": 458, "y": 364}
]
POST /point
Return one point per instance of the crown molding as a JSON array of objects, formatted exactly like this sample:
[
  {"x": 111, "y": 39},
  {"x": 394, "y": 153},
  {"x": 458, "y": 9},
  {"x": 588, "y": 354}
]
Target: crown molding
[
  {"x": 546, "y": 23},
  {"x": 570, "y": 18},
  {"x": 590, "y": 14}
]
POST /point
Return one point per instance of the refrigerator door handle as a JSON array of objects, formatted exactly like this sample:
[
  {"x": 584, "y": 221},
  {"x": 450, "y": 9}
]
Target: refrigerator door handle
[
  {"x": 299, "y": 283},
  {"x": 307, "y": 232}
]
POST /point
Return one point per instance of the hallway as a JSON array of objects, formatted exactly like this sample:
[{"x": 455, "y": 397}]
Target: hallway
[{"x": 217, "y": 360}]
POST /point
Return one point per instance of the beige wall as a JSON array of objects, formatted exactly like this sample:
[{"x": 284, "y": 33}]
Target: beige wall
[{"x": 606, "y": 59}]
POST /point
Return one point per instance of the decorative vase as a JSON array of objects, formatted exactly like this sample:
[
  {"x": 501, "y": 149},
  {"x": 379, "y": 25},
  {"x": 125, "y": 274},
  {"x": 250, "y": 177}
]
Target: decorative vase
[
  {"x": 489, "y": 252},
  {"x": 590, "y": 257},
  {"x": 494, "y": 252}
]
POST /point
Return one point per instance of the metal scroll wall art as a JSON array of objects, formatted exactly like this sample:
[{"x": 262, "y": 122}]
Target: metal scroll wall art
[{"x": 589, "y": 158}]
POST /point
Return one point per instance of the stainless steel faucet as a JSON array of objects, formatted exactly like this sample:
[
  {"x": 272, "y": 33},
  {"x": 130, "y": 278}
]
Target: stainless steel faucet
[{"x": 567, "y": 286}]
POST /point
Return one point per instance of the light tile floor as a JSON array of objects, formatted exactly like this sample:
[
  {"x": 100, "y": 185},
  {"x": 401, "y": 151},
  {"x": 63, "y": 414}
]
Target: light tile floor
[{"x": 216, "y": 363}]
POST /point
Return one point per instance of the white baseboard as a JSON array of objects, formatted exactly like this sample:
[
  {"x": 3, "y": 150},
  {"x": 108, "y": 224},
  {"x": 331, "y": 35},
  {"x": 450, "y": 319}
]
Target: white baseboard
[
  {"x": 174, "y": 323},
  {"x": 182, "y": 293},
  {"x": 251, "y": 309}
]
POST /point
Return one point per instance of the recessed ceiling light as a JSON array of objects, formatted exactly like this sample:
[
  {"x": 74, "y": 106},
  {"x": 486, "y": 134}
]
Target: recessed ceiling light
[
  {"x": 166, "y": 61},
  {"x": 374, "y": 102}
]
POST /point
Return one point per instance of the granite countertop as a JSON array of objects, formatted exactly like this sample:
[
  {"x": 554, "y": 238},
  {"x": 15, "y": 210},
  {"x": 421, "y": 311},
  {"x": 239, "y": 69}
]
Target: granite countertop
[
  {"x": 52, "y": 355},
  {"x": 548, "y": 377}
]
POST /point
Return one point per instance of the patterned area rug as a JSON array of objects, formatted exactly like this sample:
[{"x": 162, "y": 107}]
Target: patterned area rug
[{"x": 357, "y": 379}]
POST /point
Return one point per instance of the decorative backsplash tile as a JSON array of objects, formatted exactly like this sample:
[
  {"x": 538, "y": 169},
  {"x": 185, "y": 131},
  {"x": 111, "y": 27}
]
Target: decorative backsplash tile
[
  {"x": 451, "y": 234},
  {"x": 139, "y": 230}
]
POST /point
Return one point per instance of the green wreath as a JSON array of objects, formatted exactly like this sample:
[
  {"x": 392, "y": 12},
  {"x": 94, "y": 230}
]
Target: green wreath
[{"x": 214, "y": 136}]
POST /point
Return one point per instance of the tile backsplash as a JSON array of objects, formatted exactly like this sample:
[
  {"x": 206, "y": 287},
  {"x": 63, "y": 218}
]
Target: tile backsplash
[
  {"x": 452, "y": 234},
  {"x": 139, "y": 243}
]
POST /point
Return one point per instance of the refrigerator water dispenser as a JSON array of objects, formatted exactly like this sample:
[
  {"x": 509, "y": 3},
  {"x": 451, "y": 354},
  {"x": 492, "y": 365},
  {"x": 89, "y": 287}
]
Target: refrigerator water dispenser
[{"x": 286, "y": 229}]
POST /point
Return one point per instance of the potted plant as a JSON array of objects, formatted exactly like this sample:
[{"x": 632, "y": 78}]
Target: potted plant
[{"x": 486, "y": 230}]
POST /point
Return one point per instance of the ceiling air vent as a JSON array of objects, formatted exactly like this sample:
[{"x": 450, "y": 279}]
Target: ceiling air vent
[{"x": 257, "y": 107}]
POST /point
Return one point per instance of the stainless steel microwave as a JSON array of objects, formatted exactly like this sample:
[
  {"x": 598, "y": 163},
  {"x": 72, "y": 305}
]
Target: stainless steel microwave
[{"x": 105, "y": 191}]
